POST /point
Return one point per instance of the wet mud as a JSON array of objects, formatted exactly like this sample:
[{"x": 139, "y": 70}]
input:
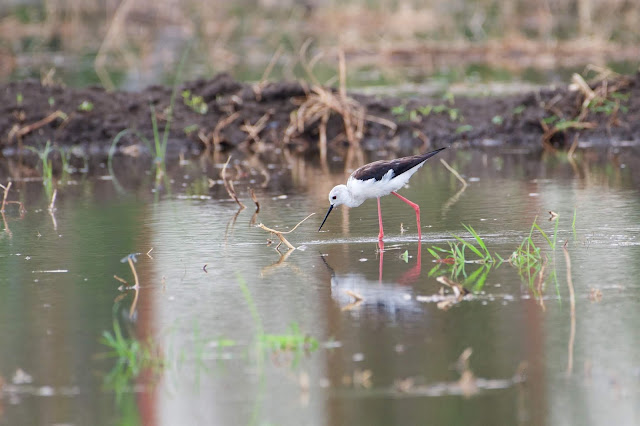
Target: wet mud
[{"x": 222, "y": 114}]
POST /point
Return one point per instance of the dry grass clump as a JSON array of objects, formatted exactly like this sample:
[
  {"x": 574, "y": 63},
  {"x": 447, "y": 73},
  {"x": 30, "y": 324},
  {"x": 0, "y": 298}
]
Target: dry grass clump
[{"x": 321, "y": 103}]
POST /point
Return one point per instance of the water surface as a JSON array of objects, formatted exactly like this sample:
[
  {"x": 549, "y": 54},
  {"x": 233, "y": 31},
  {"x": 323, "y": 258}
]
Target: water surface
[{"x": 211, "y": 285}]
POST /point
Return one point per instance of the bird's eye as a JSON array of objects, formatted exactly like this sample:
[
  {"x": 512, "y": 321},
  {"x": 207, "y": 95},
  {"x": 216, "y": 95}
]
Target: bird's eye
[{"x": 334, "y": 197}]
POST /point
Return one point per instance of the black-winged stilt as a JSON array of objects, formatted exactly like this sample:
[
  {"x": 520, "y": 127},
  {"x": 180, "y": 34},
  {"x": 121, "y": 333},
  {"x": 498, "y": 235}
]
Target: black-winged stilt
[{"x": 377, "y": 179}]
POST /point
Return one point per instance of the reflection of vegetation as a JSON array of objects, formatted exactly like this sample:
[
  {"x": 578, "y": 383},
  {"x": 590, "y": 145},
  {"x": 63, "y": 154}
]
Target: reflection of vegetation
[
  {"x": 295, "y": 341},
  {"x": 131, "y": 355},
  {"x": 198, "y": 187},
  {"x": 458, "y": 272},
  {"x": 531, "y": 262}
]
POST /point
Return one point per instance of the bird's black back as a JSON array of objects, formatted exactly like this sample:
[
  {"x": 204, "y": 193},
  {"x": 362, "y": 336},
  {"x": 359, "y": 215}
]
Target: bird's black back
[{"x": 378, "y": 169}]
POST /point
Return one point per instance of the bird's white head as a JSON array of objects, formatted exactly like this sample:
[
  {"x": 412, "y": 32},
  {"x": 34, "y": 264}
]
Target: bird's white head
[{"x": 339, "y": 195}]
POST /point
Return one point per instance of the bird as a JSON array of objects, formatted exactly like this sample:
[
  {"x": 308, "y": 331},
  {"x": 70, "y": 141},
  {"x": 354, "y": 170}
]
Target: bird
[{"x": 377, "y": 179}]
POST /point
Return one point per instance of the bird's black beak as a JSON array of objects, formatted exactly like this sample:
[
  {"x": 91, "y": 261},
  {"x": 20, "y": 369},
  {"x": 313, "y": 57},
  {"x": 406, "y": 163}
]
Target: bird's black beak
[{"x": 325, "y": 218}]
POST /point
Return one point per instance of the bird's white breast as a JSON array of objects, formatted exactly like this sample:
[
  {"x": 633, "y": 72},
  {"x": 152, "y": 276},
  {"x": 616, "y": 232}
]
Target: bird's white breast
[{"x": 362, "y": 190}]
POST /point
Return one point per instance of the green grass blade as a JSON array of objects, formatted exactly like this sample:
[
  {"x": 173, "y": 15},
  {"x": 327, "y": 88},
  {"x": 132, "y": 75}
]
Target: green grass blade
[
  {"x": 470, "y": 246},
  {"x": 481, "y": 243},
  {"x": 433, "y": 253},
  {"x": 544, "y": 234}
]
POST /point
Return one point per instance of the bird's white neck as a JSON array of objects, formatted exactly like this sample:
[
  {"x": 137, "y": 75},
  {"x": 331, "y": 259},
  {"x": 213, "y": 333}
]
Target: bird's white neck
[{"x": 352, "y": 200}]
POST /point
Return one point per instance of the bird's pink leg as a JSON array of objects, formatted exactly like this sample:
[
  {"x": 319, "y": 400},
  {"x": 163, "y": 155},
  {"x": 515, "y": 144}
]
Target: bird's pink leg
[
  {"x": 414, "y": 206},
  {"x": 381, "y": 234},
  {"x": 381, "y": 251}
]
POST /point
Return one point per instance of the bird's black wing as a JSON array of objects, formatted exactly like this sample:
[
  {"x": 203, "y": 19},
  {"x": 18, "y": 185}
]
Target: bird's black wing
[{"x": 378, "y": 169}]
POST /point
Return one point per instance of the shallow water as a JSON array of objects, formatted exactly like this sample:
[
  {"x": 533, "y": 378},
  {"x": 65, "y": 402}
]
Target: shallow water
[{"x": 211, "y": 287}]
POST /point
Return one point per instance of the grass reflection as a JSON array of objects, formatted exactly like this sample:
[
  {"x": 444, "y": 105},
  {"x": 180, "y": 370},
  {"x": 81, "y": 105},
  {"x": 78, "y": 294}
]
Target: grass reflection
[{"x": 132, "y": 357}]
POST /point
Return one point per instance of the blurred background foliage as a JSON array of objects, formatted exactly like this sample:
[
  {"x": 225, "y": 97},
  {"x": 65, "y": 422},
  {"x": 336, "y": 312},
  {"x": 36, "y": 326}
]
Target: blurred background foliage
[{"x": 132, "y": 43}]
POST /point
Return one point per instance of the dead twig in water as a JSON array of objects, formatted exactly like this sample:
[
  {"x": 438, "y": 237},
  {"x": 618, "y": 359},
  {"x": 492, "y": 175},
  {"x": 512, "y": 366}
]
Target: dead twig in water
[
  {"x": 281, "y": 261},
  {"x": 136, "y": 290},
  {"x": 454, "y": 199},
  {"x": 357, "y": 301},
  {"x": 133, "y": 270},
  {"x": 228, "y": 185},
  {"x": 255, "y": 199},
  {"x": 467, "y": 382},
  {"x": 4, "y": 198},
  {"x": 455, "y": 173},
  {"x": 122, "y": 280},
  {"x": 572, "y": 304},
  {"x": 6, "y": 193},
  {"x": 459, "y": 292},
  {"x": 52, "y": 205},
  {"x": 257, "y": 203},
  {"x": 131, "y": 259},
  {"x": 280, "y": 234},
  {"x": 52, "y": 209}
]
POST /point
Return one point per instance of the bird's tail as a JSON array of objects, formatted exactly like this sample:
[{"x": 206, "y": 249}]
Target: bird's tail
[{"x": 428, "y": 155}]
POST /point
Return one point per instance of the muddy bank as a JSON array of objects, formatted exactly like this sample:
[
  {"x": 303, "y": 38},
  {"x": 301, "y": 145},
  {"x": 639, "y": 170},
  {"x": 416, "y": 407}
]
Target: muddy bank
[{"x": 222, "y": 114}]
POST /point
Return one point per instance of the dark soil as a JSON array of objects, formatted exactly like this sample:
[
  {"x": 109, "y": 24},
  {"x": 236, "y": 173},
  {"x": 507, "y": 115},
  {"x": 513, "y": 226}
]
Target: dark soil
[{"x": 515, "y": 120}]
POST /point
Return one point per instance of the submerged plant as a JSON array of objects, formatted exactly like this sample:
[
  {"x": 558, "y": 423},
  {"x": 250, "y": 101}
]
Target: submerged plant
[
  {"x": 456, "y": 257},
  {"x": 529, "y": 259},
  {"x": 527, "y": 255},
  {"x": 456, "y": 252}
]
